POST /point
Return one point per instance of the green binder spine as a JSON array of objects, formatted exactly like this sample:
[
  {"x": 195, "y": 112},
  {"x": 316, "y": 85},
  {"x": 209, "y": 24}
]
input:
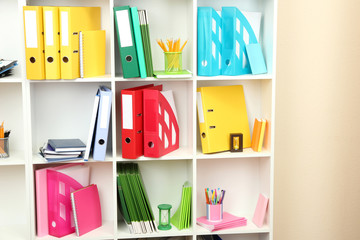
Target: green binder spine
[{"x": 127, "y": 47}]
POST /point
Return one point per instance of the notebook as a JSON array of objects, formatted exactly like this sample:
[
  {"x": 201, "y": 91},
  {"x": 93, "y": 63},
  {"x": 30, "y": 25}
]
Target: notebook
[
  {"x": 67, "y": 145},
  {"x": 229, "y": 221},
  {"x": 86, "y": 208},
  {"x": 260, "y": 210},
  {"x": 92, "y": 53}
]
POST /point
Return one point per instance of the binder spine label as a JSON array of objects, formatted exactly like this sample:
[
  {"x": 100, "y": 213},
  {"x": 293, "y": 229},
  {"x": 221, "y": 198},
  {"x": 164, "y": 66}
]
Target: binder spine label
[
  {"x": 31, "y": 29},
  {"x": 104, "y": 114},
  {"x": 49, "y": 28},
  {"x": 127, "y": 103},
  {"x": 64, "y": 28},
  {"x": 124, "y": 28}
]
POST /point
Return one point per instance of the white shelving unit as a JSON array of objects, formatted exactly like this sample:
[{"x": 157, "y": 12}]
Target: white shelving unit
[{"x": 38, "y": 110}]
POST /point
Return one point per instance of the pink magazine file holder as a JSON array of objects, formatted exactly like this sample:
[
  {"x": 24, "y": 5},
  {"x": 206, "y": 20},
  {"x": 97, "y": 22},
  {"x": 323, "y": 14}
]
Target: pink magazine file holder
[{"x": 60, "y": 215}]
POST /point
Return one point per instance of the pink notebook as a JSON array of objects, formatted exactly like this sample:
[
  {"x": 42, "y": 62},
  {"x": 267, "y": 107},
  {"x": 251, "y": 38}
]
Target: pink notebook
[
  {"x": 86, "y": 209},
  {"x": 229, "y": 221},
  {"x": 260, "y": 210}
]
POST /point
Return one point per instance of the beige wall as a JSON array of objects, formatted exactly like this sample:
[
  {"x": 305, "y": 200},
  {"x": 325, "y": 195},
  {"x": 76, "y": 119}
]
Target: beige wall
[{"x": 317, "y": 147}]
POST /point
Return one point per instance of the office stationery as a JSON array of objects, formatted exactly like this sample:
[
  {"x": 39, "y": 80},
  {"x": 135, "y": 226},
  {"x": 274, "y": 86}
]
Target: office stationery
[
  {"x": 210, "y": 237},
  {"x": 138, "y": 41},
  {"x": 214, "y": 213},
  {"x": 161, "y": 129},
  {"x": 72, "y": 21},
  {"x": 164, "y": 216},
  {"x": 256, "y": 58},
  {"x": 173, "y": 55},
  {"x": 237, "y": 32},
  {"x": 228, "y": 221},
  {"x": 184, "y": 73},
  {"x": 132, "y": 115},
  {"x": 222, "y": 111},
  {"x": 256, "y": 134},
  {"x": 34, "y": 42},
  {"x": 6, "y": 66},
  {"x": 122, "y": 205},
  {"x": 92, "y": 53},
  {"x": 262, "y": 134},
  {"x": 135, "y": 199},
  {"x": 125, "y": 35},
  {"x": 102, "y": 123},
  {"x": 145, "y": 35},
  {"x": 209, "y": 43},
  {"x": 182, "y": 217},
  {"x": 67, "y": 145},
  {"x": 260, "y": 210},
  {"x": 236, "y": 142},
  {"x": 77, "y": 171},
  {"x": 86, "y": 208},
  {"x": 90, "y": 142},
  {"x": 52, "y": 42},
  {"x": 41, "y": 197}
]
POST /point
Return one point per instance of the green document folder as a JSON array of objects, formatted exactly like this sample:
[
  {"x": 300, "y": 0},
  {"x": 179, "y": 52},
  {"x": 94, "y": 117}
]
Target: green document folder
[
  {"x": 145, "y": 34},
  {"x": 125, "y": 36},
  {"x": 182, "y": 217},
  {"x": 138, "y": 41}
]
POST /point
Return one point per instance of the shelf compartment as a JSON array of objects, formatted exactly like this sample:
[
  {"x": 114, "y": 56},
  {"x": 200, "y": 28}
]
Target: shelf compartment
[
  {"x": 243, "y": 182},
  {"x": 161, "y": 26},
  {"x": 11, "y": 105},
  {"x": 268, "y": 22},
  {"x": 259, "y": 104},
  {"x": 13, "y": 203},
  {"x": 163, "y": 182},
  {"x": 51, "y": 101},
  {"x": 106, "y": 21},
  {"x": 101, "y": 174},
  {"x": 182, "y": 92}
]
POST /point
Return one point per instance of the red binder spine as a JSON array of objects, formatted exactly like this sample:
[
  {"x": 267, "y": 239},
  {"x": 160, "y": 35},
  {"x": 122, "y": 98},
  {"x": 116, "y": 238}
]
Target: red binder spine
[
  {"x": 161, "y": 129},
  {"x": 132, "y": 136}
]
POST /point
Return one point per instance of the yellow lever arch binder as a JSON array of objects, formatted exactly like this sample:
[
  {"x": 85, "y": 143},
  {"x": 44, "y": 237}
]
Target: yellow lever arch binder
[
  {"x": 222, "y": 111},
  {"x": 52, "y": 42},
  {"x": 72, "y": 21},
  {"x": 34, "y": 42}
]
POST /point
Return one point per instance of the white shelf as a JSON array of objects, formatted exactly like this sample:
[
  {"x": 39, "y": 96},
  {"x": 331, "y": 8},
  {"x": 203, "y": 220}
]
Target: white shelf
[
  {"x": 37, "y": 110},
  {"x": 123, "y": 233},
  {"x": 103, "y": 232},
  {"x": 16, "y": 158}
]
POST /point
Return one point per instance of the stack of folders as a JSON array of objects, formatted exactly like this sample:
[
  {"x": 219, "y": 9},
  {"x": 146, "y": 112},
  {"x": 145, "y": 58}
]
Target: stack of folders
[
  {"x": 6, "y": 67},
  {"x": 134, "y": 203},
  {"x": 182, "y": 217},
  {"x": 59, "y": 42},
  {"x": 133, "y": 35},
  {"x": 149, "y": 122},
  {"x": 228, "y": 221},
  {"x": 63, "y": 150},
  {"x": 258, "y": 134},
  {"x": 228, "y": 43},
  {"x": 99, "y": 125},
  {"x": 54, "y": 215}
]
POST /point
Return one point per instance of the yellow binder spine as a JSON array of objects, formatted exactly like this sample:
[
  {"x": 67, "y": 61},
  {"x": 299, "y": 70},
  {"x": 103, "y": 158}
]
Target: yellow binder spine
[
  {"x": 52, "y": 42},
  {"x": 34, "y": 42},
  {"x": 205, "y": 145}
]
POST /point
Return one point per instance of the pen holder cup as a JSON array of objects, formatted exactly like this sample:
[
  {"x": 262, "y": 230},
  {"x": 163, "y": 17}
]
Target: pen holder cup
[
  {"x": 214, "y": 213},
  {"x": 173, "y": 62},
  {"x": 4, "y": 147}
]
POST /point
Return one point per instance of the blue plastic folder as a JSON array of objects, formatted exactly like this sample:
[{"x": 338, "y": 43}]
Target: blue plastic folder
[
  {"x": 209, "y": 42},
  {"x": 236, "y": 34}
]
